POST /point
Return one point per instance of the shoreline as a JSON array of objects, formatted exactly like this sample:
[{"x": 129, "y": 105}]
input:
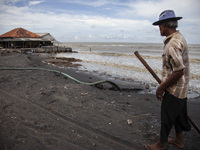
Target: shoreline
[
  {"x": 128, "y": 65},
  {"x": 142, "y": 87},
  {"x": 44, "y": 110}
]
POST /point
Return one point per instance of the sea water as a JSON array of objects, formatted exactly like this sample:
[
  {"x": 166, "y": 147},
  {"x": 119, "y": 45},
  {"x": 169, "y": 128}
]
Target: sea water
[{"x": 117, "y": 61}]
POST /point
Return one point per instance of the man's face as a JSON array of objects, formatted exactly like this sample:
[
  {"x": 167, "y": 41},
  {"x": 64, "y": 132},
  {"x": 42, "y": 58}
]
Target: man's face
[{"x": 163, "y": 29}]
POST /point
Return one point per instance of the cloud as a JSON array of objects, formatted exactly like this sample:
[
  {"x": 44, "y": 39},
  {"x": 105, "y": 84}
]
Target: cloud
[
  {"x": 154, "y": 8},
  {"x": 130, "y": 21},
  {"x": 12, "y": 1},
  {"x": 35, "y": 2},
  {"x": 94, "y": 3}
]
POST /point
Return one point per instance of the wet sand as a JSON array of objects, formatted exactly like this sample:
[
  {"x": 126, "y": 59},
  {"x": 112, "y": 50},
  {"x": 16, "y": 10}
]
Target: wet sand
[{"x": 48, "y": 111}]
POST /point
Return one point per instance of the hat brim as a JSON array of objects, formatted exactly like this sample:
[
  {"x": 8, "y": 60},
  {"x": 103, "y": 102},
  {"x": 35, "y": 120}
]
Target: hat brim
[{"x": 160, "y": 21}]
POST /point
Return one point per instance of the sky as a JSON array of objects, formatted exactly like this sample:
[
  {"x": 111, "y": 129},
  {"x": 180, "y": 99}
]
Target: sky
[{"x": 99, "y": 20}]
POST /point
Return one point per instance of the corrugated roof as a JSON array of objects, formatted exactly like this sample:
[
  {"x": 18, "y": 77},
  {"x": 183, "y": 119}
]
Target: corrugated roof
[
  {"x": 47, "y": 36},
  {"x": 19, "y": 33},
  {"x": 42, "y": 34}
]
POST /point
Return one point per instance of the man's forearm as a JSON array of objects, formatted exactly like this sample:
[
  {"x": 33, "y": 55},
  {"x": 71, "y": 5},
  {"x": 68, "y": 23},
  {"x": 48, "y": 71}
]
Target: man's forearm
[{"x": 172, "y": 79}]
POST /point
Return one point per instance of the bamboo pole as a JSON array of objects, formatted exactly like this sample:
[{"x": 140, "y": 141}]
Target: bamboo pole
[{"x": 159, "y": 81}]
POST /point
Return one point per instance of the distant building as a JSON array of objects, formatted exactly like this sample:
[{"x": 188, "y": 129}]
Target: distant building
[{"x": 21, "y": 38}]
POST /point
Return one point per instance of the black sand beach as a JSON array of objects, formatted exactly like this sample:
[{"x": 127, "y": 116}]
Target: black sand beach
[{"x": 47, "y": 111}]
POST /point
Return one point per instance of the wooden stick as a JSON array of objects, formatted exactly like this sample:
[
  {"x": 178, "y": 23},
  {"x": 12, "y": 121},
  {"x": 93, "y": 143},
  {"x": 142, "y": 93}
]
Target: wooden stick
[
  {"x": 147, "y": 67},
  {"x": 159, "y": 81}
]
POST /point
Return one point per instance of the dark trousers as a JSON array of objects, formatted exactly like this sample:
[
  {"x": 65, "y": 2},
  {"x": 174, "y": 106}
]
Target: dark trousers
[{"x": 173, "y": 113}]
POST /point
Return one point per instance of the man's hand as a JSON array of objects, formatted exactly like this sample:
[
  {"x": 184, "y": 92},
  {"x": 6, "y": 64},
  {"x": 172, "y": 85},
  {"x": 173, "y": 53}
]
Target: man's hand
[
  {"x": 160, "y": 93},
  {"x": 172, "y": 79}
]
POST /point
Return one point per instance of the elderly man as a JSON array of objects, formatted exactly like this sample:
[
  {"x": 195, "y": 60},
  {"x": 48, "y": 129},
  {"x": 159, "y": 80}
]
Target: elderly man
[{"x": 175, "y": 81}]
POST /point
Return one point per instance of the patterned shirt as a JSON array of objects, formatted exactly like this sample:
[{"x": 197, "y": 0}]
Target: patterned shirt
[{"x": 175, "y": 58}]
